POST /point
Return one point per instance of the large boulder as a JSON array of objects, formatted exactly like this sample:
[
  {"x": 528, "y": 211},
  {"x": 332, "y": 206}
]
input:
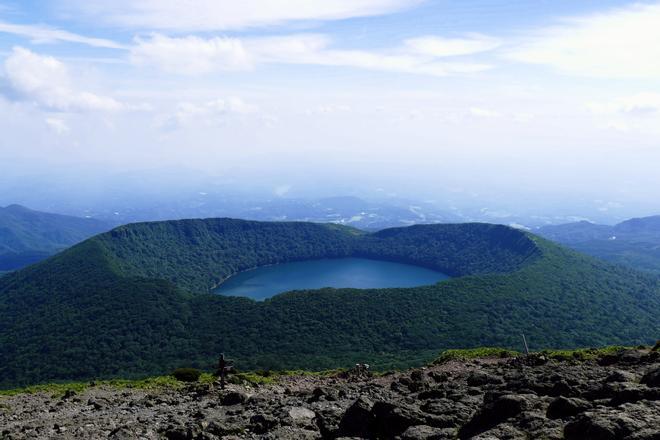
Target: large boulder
[
  {"x": 652, "y": 377},
  {"x": 620, "y": 376},
  {"x": 328, "y": 418},
  {"x": 357, "y": 419},
  {"x": 302, "y": 417},
  {"x": 590, "y": 426},
  {"x": 563, "y": 407},
  {"x": 390, "y": 420},
  {"x": 494, "y": 413},
  {"x": 233, "y": 398},
  {"x": 424, "y": 432},
  {"x": 479, "y": 378},
  {"x": 447, "y": 413},
  {"x": 262, "y": 423}
]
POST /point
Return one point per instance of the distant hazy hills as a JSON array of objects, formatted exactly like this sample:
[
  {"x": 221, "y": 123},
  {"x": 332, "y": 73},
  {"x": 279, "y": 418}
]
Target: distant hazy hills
[
  {"x": 27, "y": 236},
  {"x": 634, "y": 242},
  {"x": 135, "y": 300}
]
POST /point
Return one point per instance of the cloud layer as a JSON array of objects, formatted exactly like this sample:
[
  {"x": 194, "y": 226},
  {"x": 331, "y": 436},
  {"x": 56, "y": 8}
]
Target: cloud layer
[
  {"x": 45, "y": 34},
  {"x": 208, "y": 113},
  {"x": 209, "y": 15},
  {"x": 195, "y": 55},
  {"x": 460, "y": 95}
]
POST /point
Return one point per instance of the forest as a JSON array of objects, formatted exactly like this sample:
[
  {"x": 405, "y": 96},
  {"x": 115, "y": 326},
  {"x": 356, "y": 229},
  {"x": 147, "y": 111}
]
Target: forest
[{"x": 135, "y": 301}]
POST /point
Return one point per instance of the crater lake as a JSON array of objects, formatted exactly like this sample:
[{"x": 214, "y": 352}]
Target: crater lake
[{"x": 360, "y": 273}]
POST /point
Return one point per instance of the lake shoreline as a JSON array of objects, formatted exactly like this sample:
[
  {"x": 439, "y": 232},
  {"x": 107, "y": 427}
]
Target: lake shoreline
[{"x": 265, "y": 281}]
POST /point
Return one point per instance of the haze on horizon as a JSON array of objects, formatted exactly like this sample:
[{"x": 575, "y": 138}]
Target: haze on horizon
[{"x": 547, "y": 107}]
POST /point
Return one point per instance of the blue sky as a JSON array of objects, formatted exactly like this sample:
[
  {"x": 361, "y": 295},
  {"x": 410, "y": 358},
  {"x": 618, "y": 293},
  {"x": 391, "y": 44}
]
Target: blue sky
[{"x": 523, "y": 96}]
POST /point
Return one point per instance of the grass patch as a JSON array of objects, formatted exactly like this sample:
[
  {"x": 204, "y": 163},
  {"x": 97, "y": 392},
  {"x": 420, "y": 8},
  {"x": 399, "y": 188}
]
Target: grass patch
[
  {"x": 583, "y": 354},
  {"x": 474, "y": 353},
  {"x": 59, "y": 389},
  {"x": 324, "y": 373},
  {"x": 579, "y": 354},
  {"x": 251, "y": 378},
  {"x": 265, "y": 377},
  {"x": 261, "y": 377}
]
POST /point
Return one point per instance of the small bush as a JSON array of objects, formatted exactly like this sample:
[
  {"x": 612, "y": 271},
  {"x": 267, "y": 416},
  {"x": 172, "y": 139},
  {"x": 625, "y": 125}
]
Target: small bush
[
  {"x": 187, "y": 374},
  {"x": 583, "y": 354},
  {"x": 250, "y": 378},
  {"x": 473, "y": 353}
]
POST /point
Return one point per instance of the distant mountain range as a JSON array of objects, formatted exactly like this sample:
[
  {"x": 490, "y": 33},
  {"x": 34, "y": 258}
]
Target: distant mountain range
[
  {"x": 136, "y": 300},
  {"x": 28, "y": 236},
  {"x": 634, "y": 243},
  {"x": 345, "y": 210}
]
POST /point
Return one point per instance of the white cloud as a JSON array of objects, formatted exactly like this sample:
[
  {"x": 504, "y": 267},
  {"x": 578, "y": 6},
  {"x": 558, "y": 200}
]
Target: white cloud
[
  {"x": 57, "y": 125},
  {"x": 207, "y": 15},
  {"x": 522, "y": 117},
  {"x": 443, "y": 47},
  {"x": 45, "y": 34},
  {"x": 480, "y": 112},
  {"x": 194, "y": 55},
  {"x": 620, "y": 43},
  {"x": 635, "y": 105},
  {"x": 208, "y": 113},
  {"x": 393, "y": 63},
  {"x": 520, "y": 226},
  {"x": 635, "y": 114},
  {"x": 619, "y": 126},
  {"x": 46, "y": 82},
  {"x": 282, "y": 190},
  {"x": 329, "y": 109},
  {"x": 191, "y": 55}
]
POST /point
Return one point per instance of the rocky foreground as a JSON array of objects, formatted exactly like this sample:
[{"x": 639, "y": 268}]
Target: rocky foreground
[{"x": 613, "y": 397}]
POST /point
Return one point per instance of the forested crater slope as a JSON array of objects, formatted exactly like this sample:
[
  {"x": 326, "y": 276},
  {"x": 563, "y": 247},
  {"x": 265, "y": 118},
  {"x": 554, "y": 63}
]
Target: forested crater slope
[
  {"x": 197, "y": 254},
  {"x": 135, "y": 301}
]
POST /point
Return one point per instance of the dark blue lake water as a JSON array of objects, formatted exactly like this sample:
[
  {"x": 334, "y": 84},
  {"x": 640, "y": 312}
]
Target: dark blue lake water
[{"x": 361, "y": 273}]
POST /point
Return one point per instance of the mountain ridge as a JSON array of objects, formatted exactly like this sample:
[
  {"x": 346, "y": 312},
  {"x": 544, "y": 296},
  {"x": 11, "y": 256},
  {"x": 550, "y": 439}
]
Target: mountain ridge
[
  {"x": 634, "y": 243},
  {"x": 28, "y": 236},
  {"x": 199, "y": 237}
]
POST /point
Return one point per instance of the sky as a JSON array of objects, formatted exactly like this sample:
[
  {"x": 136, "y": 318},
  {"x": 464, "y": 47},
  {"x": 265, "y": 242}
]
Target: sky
[{"x": 515, "y": 100}]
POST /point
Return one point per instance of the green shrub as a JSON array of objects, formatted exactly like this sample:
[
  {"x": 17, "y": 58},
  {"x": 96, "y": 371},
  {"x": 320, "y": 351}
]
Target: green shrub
[
  {"x": 656, "y": 347},
  {"x": 473, "y": 353},
  {"x": 187, "y": 374},
  {"x": 251, "y": 378},
  {"x": 583, "y": 354}
]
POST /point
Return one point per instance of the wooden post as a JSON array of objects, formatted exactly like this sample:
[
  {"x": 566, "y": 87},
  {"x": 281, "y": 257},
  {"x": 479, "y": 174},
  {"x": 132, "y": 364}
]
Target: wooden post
[
  {"x": 224, "y": 366},
  {"x": 525, "y": 342}
]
